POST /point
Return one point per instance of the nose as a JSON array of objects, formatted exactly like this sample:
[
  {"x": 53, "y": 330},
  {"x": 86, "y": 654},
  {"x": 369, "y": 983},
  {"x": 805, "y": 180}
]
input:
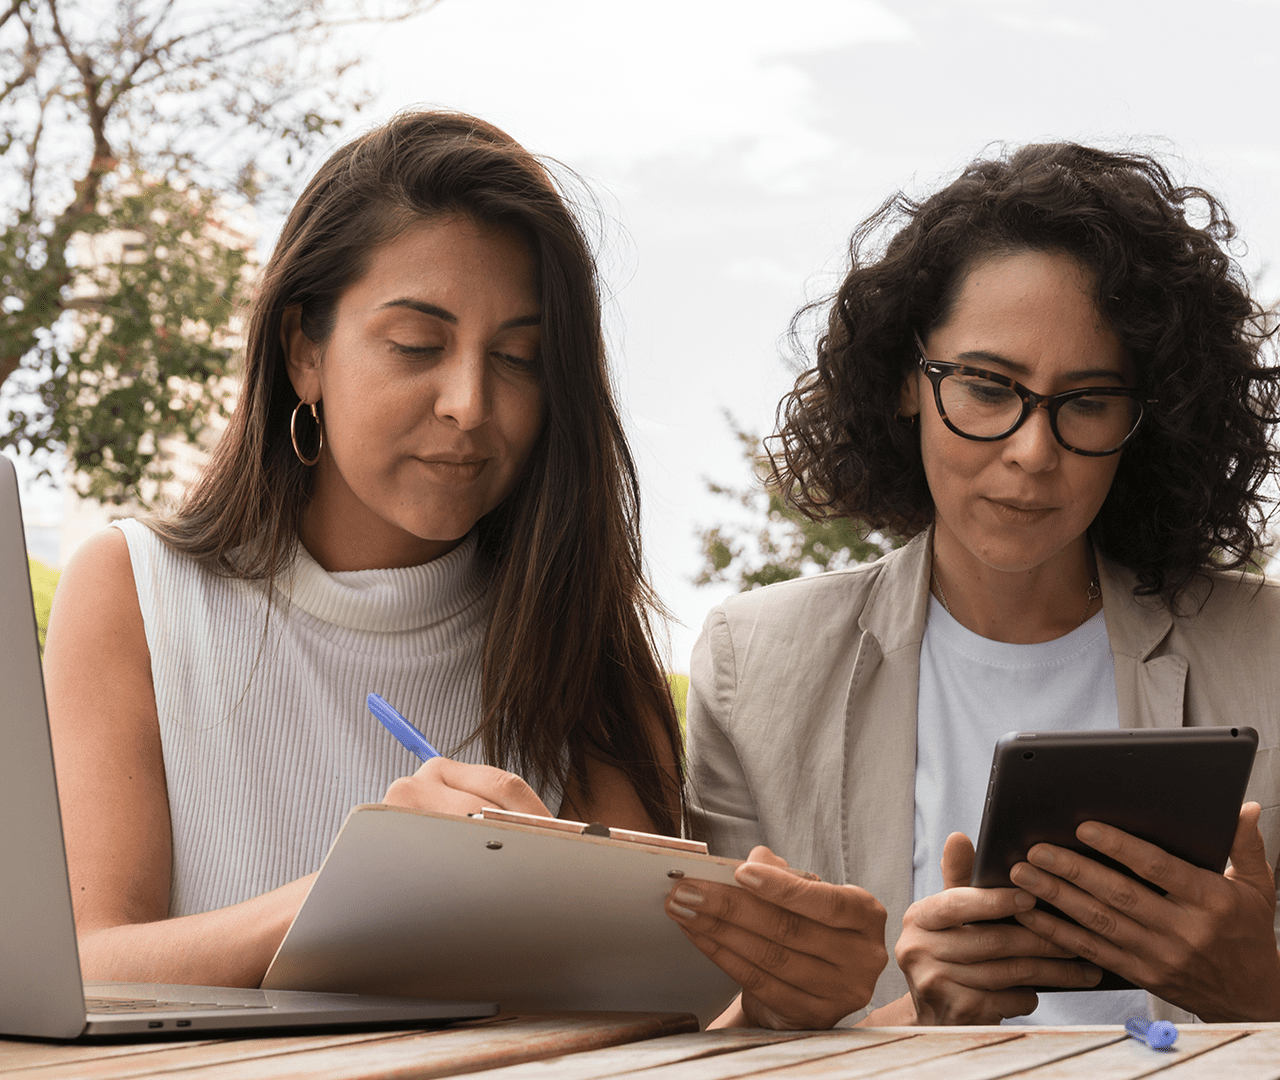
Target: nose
[
  {"x": 1033, "y": 446},
  {"x": 463, "y": 393}
]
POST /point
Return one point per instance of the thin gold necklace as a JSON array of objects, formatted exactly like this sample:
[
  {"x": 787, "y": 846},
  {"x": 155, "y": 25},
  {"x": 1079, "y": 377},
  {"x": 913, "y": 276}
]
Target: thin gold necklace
[{"x": 1090, "y": 595}]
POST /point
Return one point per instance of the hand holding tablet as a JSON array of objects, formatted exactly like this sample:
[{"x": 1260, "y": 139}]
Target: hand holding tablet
[
  {"x": 1206, "y": 945},
  {"x": 965, "y": 958},
  {"x": 1122, "y": 837}
]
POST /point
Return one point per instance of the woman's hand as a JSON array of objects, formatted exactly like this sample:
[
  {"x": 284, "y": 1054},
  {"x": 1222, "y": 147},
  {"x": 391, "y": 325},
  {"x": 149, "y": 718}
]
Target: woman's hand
[
  {"x": 453, "y": 787},
  {"x": 806, "y": 953},
  {"x": 1208, "y": 945},
  {"x": 964, "y": 969}
]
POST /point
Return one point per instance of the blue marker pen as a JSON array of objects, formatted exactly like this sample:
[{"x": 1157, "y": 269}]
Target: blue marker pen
[
  {"x": 1157, "y": 1034},
  {"x": 406, "y": 734}
]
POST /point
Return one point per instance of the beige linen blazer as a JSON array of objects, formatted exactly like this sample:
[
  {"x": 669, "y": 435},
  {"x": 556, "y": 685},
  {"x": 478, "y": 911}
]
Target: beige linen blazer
[{"x": 802, "y": 712}]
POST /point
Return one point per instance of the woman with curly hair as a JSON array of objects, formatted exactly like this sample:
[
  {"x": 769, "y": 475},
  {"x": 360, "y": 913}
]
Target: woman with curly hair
[{"x": 1048, "y": 381}]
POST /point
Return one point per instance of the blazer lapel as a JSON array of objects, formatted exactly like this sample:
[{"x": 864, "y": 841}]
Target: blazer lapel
[
  {"x": 880, "y": 745},
  {"x": 1150, "y": 690}
]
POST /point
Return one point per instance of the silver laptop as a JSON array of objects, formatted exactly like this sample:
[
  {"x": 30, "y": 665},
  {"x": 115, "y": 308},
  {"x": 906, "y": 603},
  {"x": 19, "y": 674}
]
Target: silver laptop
[{"x": 41, "y": 992}]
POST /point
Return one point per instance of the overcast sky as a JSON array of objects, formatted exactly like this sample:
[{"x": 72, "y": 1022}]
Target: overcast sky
[{"x": 734, "y": 144}]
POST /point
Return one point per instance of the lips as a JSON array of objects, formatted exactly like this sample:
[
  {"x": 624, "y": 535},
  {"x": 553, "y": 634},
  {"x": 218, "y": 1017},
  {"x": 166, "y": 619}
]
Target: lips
[
  {"x": 1015, "y": 506},
  {"x": 1028, "y": 506},
  {"x": 450, "y": 467}
]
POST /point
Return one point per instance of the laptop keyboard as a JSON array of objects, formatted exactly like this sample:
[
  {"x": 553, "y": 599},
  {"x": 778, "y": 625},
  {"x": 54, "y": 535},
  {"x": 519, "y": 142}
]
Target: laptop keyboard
[{"x": 130, "y": 1005}]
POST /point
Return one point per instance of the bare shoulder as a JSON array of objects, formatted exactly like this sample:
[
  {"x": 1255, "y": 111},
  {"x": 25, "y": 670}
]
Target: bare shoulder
[
  {"x": 97, "y": 642},
  {"x": 101, "y": 562}
]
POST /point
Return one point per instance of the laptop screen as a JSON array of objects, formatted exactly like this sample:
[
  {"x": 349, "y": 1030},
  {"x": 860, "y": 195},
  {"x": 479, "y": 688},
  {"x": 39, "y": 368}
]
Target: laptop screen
[{"x": 40, "y": 988}]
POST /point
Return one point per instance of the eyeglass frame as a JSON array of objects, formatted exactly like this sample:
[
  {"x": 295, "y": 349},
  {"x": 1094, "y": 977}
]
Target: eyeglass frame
[{"x": 937, "y": 370}]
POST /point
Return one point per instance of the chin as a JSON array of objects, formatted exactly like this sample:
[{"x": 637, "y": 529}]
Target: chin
[
  {"x": 441, "y": 528},
  {"x": 437, "y": 535},
  {"x": 1018, "y": 560}
]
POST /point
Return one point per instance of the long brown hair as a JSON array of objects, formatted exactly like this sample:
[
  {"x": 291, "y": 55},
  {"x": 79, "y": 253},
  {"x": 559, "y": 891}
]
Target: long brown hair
[{"x": 570, "y": 670}]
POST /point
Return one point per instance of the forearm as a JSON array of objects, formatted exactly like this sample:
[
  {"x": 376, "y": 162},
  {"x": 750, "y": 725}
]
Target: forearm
[{"x": 231, "y": 946}]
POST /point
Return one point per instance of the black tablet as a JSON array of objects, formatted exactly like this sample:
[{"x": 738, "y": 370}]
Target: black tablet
[{"x": 1178, "y": 788}]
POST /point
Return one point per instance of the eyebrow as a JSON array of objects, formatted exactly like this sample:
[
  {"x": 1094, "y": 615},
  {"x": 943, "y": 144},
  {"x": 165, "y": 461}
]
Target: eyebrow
[
  {"x": 450, "y": 317},
  {"x": 1024, "y": 370}
]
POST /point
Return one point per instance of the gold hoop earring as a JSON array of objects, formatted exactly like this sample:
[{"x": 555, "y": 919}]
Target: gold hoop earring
[{"x": 293, "y": 432}]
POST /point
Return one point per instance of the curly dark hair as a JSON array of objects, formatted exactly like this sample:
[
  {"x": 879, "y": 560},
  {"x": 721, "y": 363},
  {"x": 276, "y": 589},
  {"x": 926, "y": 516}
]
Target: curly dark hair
[{"x": 1187, "y": 496}]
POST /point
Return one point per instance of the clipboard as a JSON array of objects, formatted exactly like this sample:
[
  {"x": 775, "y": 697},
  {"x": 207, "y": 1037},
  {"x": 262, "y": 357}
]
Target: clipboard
[{"x": 535, "y": 913}]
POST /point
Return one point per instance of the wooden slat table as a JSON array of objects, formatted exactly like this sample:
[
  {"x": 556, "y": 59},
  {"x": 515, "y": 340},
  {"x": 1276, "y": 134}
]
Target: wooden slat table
[{"x": 599, "y": 1046}]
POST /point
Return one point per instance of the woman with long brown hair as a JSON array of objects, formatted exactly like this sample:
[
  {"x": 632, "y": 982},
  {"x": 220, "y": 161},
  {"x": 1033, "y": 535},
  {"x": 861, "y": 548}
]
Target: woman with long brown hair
[{"x": 425, "y": 492}]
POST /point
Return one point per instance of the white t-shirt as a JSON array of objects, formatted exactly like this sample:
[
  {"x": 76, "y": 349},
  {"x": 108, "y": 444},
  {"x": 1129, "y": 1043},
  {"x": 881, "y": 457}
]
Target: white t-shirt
[{"x": 972, "y": 691}]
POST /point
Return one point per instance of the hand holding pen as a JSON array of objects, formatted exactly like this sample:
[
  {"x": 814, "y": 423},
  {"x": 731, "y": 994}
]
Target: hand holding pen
[{"x": 445, "y": 786}]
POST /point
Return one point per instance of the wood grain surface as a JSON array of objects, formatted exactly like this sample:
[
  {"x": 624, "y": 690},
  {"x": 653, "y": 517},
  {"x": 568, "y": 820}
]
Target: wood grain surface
[{"x": 597, "y": 1046}]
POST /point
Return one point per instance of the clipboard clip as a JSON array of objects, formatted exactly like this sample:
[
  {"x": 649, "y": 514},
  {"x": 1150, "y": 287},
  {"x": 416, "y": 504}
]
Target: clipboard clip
[{"x": 582, "y": 828}]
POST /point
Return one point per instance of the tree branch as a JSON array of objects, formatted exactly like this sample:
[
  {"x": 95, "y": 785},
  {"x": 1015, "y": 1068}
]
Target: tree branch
[
  {"x": 30, "y": 54},
  {"x": 32, "y": 151},
  {"x": 14, "y": 8},
  {"x": 103, "y": 160},
  {"x": 206, "y": 57}
]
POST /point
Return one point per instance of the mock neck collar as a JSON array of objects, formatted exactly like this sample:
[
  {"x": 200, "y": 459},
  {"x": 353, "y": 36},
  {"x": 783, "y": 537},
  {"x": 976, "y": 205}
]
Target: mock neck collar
[{"x": 404, "y": 598}]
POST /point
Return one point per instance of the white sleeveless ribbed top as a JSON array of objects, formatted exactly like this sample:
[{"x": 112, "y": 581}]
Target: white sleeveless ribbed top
[{"x": 266, "y": 737}]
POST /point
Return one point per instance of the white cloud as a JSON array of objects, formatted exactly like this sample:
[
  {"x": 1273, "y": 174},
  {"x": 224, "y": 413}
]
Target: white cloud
[
  {"x": 1039, "y": 16},
  {"x": 615, "y": 85},
  {"x": 761, "y": 269}
]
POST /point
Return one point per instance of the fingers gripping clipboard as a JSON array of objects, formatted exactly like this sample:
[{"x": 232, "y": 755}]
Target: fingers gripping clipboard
[{"x": 518, "y": 911}]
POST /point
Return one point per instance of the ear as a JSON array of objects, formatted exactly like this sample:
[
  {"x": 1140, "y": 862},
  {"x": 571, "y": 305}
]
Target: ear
[
  {"x": 909, "y": 395},
  {"x": 301, "y": 355}
]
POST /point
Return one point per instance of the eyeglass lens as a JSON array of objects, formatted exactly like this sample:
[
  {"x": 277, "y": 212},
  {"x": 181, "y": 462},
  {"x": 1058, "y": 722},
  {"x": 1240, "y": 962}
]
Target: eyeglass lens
[{"x": 977, "y": 406}]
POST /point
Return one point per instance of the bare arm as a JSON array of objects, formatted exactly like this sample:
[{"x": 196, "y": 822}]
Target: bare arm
[
  {"x": 115, "y": 806},
  {"x": 613, "y": 800}
]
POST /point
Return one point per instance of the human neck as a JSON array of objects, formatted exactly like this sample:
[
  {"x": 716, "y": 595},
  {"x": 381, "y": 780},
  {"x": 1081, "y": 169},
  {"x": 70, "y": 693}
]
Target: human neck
[
  {"x": 341, "y": 534},
  {"x": 1022, "y": 606}
]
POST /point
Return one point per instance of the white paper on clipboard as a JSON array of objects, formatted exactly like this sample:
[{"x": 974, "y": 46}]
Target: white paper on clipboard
[{"x": 432, "y": 905}]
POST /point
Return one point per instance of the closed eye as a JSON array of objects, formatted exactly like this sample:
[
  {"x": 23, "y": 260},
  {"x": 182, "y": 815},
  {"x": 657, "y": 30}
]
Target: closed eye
[
  {"x": 417, "y": 350},
  {"x": 524, "y": 362},
  {"x": 1098, "y": 406},
  {"x": 983, "y": 392}
]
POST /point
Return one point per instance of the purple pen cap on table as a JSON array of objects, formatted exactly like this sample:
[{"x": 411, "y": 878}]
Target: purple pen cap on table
[{"x": 1157, "y": 1034}]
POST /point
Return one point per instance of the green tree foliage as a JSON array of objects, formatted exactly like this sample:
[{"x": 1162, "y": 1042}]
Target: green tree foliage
[
  {"x": 778, "y": 542},
  {"x": 127, "y": 127},
  {"x": 148, "y": 351},
  {"x": 679, "y": 684},
  {"x": 44, "y": 579}
]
